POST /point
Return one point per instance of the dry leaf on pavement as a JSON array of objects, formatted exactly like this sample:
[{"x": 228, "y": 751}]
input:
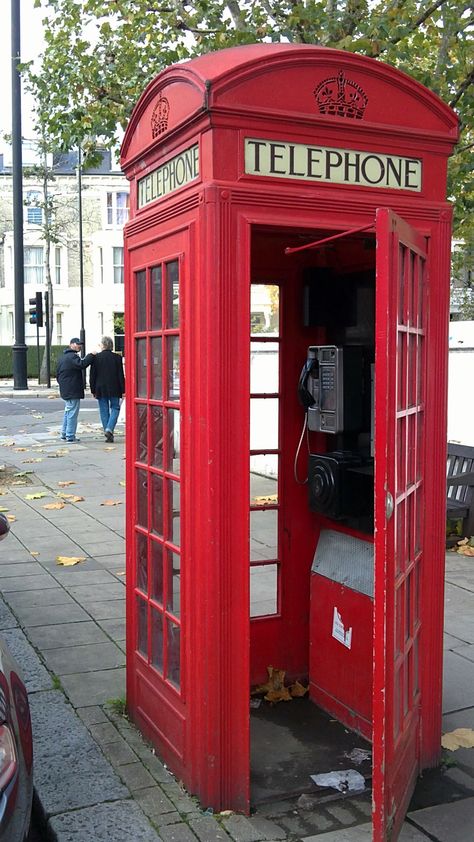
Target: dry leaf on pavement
[
  {"x": 36, "y": 495},
  {"x": 69, "y": 561},
  {"x": 28, "y": 461},
  {"x": 21, "y": 449},
  {"x": 34, "y": 552},
  {"x": 11, "y": 518},
  {"x": 72, "y": 498},
  {"x": 459, "y": 738},
  {"x": 58, "y": 505},
  {"x": 8, "y": 443},
  {"x": 3, "y": 509},
  {"x": 110, "y": 448},
  {"x": 65, "y": 483},
  {"x": 122, "y": 482},
  {"x": 111, "y": 503}
]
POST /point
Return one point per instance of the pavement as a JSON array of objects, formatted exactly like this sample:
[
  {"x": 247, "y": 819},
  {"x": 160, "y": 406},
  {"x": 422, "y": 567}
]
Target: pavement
[{"x": 96, "y": 778}]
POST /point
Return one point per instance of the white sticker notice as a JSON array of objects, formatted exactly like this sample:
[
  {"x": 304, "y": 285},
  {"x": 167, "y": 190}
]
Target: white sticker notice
[{"x": 338, "y": 630}]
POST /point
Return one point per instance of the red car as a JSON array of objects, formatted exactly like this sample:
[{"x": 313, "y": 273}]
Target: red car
[{"x": 16, "y": 744}]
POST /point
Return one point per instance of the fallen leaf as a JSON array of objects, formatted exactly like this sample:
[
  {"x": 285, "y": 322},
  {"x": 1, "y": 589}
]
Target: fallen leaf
[
  {"x": 2, "y": 493},
  {"x": 57, "y": 454},
  {"x": 11, "y": 518},
  {"x": 121, "y": 573},
  {"x": 297, "y": 689},
  {"x": 122, "y": 482},
  {"x": 68, "y": 561},
  {"x": 111, "y": 503},
  {"x": 19, "y": 482},
  {"x": 65, "y": 483},
  {"x": 22, "y": 473},
  {"x": 3, "y": 509},
  {"x": 57, "y": 505},
  {"x": 73, "y": 498},
  {"x": 52, "y": 397},
  {"x": 110, "y": 448},
  {"x": 36, "y": 415},
  {"x": 28, "y": 461},
  {"x": 36, "y": 495},
  {"x": 466, "y": 550},
  {"x": 463, "y": 541},
  {"x": 8, "y": 443},
  {"x": 459, "y": 738},
  {"x": 21, "y": 449},
  {"x": 34, "y": 552},
  {"x": 270, "y": 498}
]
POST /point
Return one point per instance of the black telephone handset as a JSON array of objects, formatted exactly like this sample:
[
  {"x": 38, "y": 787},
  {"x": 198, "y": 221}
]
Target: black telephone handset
[{"x": 306, "y": 398}]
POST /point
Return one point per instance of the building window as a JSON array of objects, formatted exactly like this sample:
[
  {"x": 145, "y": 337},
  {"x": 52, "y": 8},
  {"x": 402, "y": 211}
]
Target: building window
[
  {"x": 57, "y": 264},
  {"x": 101, "y": 323},
  {"x": 117, "y": 208},
  {"x": 34, "y": 213},
  {"x": 59, "y": 328},
  {"x": 34, "y": 265},
  {"x": 101, "y": 265},
  {"x": 118, "y": 264}
]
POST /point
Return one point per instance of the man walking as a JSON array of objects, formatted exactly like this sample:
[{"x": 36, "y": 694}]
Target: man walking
[
  {"x": 71, "y": 386},
  {"x": 107, "y": 384}
]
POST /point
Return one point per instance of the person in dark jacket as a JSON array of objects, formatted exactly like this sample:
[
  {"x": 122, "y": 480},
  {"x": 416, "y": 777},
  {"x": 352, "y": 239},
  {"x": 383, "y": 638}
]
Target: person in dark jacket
[
  {"x": 107, "y": 384},
  {"x": 71, "y": 386}
]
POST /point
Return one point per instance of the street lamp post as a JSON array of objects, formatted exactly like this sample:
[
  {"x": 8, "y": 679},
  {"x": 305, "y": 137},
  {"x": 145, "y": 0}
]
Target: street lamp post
[
  {"x": 19, "y": 350},
  {"x": 82, "y": 333}
]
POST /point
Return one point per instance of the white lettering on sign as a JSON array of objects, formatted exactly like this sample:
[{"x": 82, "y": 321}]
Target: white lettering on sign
[
  {"x": 169, "y": 177},
  {"x": 337, "y": 166},
  {"x": 338, "y": 630}
]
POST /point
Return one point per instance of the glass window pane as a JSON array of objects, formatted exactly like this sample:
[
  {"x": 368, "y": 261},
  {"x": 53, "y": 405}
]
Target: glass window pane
[
  {"x": 157, "y": 639},
  {"x": 264, "y": 309},
  {"x": 173, "y": 646},
  {"x": 140, "y": 286},
  {"x": 172, "y": 293},
  {"x": 142, "y": 498},
  {"x": 156, "y": 368},
  {"x": 141, "y": 368},
  {"x": 263, "y": 534},
  {"x": 173, "y": 368},
  {"x": 173, "y": 440},
  {"x": 142, "y": 446},
  {"x": 157, "y": 504},
  {"x": 156, "y": 321},
  {"x": 263, "y": 423},
  {"x": 174, "y": 583},
  {"x": 142, "y": 627},
  {"x": 263, "y": 590},
  {"x": 156, "y": 571},
  {"x": 263, "y": 367},
  {"x": 157, "y": 436},
  {"x": 264, "y": 479},
  {"x": 174, "y": 511},
  {"x": 142, "y": 558}
]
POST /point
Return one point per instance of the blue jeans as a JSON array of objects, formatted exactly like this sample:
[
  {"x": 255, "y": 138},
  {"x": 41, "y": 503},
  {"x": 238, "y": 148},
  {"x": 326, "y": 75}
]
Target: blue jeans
[
  {"x": 71, "y": 412},
  {"x": 109, "y": 409}
]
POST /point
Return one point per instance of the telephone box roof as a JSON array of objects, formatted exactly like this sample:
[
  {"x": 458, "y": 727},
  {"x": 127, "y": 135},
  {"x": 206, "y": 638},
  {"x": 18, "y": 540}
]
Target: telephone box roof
[{"x": 282, "y": 79}]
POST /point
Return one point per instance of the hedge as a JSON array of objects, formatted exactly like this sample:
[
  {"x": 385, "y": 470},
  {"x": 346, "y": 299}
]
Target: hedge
[{"x": 6, "y": 360}]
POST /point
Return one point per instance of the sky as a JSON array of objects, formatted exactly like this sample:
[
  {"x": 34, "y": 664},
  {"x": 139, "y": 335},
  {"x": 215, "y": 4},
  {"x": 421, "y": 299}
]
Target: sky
[{"x": 31, "y": 46}]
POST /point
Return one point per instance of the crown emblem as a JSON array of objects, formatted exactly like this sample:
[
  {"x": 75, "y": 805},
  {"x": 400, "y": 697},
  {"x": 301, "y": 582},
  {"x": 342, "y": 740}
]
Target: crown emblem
[
  {"x": 340, "y": 97},
  {"x": 159, "y": 118}
]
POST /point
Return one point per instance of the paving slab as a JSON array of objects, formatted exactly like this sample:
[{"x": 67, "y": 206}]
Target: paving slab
[
  {"x": 7, "y": 619},
  {"x": 116, "y": 629},
  {"x": 459, "y": 613},
  {"x": 44, "y": 616},
  {"x": 458, "y": 682},
  {"x": 84, "y": 658},
  {"x": 17, "y": 583},
  {"x": 447, "y": 822},
  {"x": 113, "y": 609},
  {"x": 65, "y": 635},
  {"x": 363, "y": 833},
  {"x": 96, "y": 592},
  {"x": 36, "y": 599},
  {"x": 73, "y": 576},
  {"x": 94, "y": 688},
  {"x": 105, "y": 823}
]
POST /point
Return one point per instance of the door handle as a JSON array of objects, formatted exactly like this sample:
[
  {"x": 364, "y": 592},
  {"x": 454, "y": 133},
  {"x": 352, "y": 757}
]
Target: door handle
[{"x": 389, "y": 505}]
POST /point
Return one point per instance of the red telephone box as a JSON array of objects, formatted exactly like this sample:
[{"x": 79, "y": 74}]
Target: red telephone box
[{"x": 287, "y": 300}]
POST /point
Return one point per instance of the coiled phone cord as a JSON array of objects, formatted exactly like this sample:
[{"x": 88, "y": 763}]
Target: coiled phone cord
[{"x": 295, "y": 466}]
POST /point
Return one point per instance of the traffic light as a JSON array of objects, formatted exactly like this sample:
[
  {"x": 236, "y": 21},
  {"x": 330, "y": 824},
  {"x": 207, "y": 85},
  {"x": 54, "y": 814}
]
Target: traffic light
[{"x": 36, "y": 310}]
